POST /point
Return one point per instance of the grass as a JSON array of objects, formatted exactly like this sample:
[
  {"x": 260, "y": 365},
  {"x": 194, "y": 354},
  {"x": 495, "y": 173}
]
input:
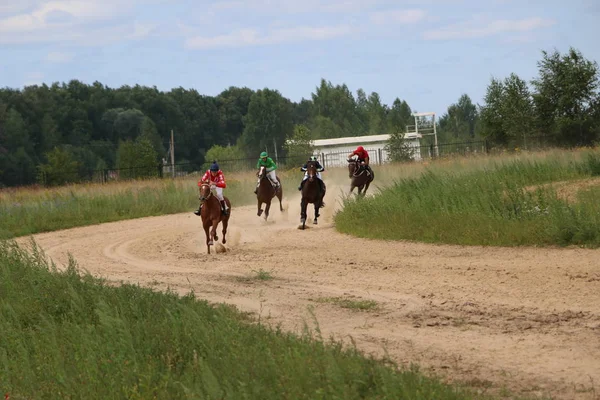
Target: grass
[
  {"x": 486, "y": 202},
  {"x": 260, "y": 275},
  {"x": 352, "y": 304},
  {"x": 29, "y": 211},
  {"x": 70, "y": 335}
]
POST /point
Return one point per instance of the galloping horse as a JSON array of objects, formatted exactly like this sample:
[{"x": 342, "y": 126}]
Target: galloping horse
[
  {"x": 311, "y": 193},
  {"x": 359, "y": 179},
  {"x": 211, "y": 215},
  {"x": 266, "y": 192}
]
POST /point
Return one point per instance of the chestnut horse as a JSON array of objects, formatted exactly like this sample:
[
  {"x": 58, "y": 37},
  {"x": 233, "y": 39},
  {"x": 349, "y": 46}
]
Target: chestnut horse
[
  {"x": 266, "y": 192},
  {"x": 211, "y": 215},
  {"x": 312, "y": 192},
  {"x": 359, "y": 178}
]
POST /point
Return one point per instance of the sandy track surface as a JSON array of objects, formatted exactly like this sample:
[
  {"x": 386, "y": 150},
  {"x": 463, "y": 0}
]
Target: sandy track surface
[{"x": 502, "y": 319}]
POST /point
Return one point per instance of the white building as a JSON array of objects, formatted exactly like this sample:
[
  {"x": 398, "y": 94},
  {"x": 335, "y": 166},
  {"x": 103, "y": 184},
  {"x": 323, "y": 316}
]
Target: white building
[{"x": 334, "y": 152}]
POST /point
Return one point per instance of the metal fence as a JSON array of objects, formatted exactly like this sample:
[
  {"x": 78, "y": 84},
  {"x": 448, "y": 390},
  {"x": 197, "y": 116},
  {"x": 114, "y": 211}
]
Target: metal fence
[{"x": 328, "y": 159}]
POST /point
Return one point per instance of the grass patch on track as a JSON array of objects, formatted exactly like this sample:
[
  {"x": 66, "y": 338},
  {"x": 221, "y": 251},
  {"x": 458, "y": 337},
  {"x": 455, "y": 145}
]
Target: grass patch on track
[{"x": 510, "y": 202}]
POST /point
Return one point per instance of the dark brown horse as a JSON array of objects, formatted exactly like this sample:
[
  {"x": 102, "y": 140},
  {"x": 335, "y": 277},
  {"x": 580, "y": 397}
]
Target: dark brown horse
[
  {"x": 266, "y": 192},
  {"x": 313, "y": 192},
  {"x": 359, "y": 177},
  {"x": 211, "y": 215}
]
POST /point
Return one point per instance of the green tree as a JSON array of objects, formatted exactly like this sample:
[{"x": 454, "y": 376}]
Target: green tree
[
  {"x": 230, "y": 158},
  {"x": 268, "y": 122},
  {"x": 325, "y": 128},
  {"x": 299, "y": 147},
  {"x": 399, "y": 149},
  {"x": 137, "y": 159},
  {"x": 232, "y": 105},
  {"x": 338, "y": 104},
  {"x": 51, "y": 136},
  {"x": 61, "y": 168},
  {"x": 566, "y": 88},
  {"x": 377, "y": 114},
  {"x": 399, "y": 116},
  {"x": 460, "y": 120},
  {"x": 492, "y": 112},
  {"x": 508, "y": 114}
]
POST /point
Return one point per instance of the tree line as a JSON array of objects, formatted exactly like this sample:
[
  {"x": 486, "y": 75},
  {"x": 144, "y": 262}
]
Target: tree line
[{"x": 65, "y": 130}]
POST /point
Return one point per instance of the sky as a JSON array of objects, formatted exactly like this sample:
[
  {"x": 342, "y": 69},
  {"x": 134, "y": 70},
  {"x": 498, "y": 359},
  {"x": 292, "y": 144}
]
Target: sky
[{"x": 427, "y": 52}]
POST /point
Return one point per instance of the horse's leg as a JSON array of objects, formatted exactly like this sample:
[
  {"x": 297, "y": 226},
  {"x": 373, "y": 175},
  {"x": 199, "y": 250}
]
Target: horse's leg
[
  {"x": 317, "y": 205},
  {"x": 208, "y": 241},
  {"x": 366, "y": 187},
  {"x": 280, "y": 196},
  {"x": 225, "y": 222},
  {"x": 213, "y": 231},
  {"x": 267, "y": 208},
  {"x": 260, "y": 211},
  {"x": 303, "y": 206}
]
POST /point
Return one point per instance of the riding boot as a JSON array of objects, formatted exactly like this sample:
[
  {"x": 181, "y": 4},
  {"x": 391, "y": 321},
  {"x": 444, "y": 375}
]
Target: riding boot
[
  {"x": 256, "y": 188},
  {"x": 198, "y": 211},
  {"x": 224, "y": 209}
]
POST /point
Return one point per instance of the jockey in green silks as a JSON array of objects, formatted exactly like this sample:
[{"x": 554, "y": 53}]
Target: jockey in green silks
[{"x": 269, "y": 164}]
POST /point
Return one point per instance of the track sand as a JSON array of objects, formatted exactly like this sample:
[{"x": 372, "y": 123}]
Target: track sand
[{"x": 522, "y": 319}]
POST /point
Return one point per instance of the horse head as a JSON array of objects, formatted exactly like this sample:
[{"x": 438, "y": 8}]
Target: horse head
[
  {"x": 352, "y": 167},
  {"x": 311, "y": 170},
  {"x": 262, "y": 172},
  {"x": 205, "y": 192}
]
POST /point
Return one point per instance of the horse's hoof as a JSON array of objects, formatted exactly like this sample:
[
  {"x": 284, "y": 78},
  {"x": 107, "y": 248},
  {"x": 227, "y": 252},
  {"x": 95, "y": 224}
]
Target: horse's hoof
[
  {"x": 315, "y": 222},
  {"x": 216, "y": 238},
  {"x": 210, "y": 243}
]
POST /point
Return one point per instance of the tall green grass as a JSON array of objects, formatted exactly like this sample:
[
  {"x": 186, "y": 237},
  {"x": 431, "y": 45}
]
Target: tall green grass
[
  {"x": 27, "y": 212},
  {"x": 498, "y": 204},
  {"x": 68, "y": 335}
]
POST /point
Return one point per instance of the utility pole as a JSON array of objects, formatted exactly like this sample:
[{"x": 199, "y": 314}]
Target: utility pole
[{"x": 172, "y": 151}]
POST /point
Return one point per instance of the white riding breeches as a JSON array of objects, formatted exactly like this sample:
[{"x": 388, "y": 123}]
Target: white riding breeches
[
  {"x": 219, "y": 193},
  {"x": 306, "y": 176},
  {"x": 272, "y": 176}
]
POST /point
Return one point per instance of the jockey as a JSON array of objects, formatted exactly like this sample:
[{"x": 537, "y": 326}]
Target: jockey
[
  {"x": 215, "y": 177},
  {"x": 269, "y": 164},
  {"x": 320, "y": 169},
  {"x": 363, "y": 158},
  {"x": 304, "y": 168}
]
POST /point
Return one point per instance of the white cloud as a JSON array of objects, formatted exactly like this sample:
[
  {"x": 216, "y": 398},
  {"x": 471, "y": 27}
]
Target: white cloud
[
  {"x": 67, "y": 20},
  {"x": 251, "y": 37},
  {"x": 298, "y": 6},
  {"x": 410, "y": 16},
  {"x": 483, "y": 28},
  {"x": 59, "y": 57}
]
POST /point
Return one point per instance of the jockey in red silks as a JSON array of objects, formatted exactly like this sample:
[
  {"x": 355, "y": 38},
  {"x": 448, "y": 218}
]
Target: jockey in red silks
[
  {"x": 215, "y": 177},
  {"x": 363, "y": 158}
]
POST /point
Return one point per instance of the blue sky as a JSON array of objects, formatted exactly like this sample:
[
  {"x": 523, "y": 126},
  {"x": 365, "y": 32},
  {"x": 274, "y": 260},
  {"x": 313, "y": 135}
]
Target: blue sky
[{"x": 426, "y": 52}]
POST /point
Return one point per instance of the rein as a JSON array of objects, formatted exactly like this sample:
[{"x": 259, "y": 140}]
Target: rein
[{"x": 356, "y": 167}]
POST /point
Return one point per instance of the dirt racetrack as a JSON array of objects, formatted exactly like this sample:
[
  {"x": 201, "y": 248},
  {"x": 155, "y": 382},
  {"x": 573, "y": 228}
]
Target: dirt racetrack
[{"x": 510, "y": 320}]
